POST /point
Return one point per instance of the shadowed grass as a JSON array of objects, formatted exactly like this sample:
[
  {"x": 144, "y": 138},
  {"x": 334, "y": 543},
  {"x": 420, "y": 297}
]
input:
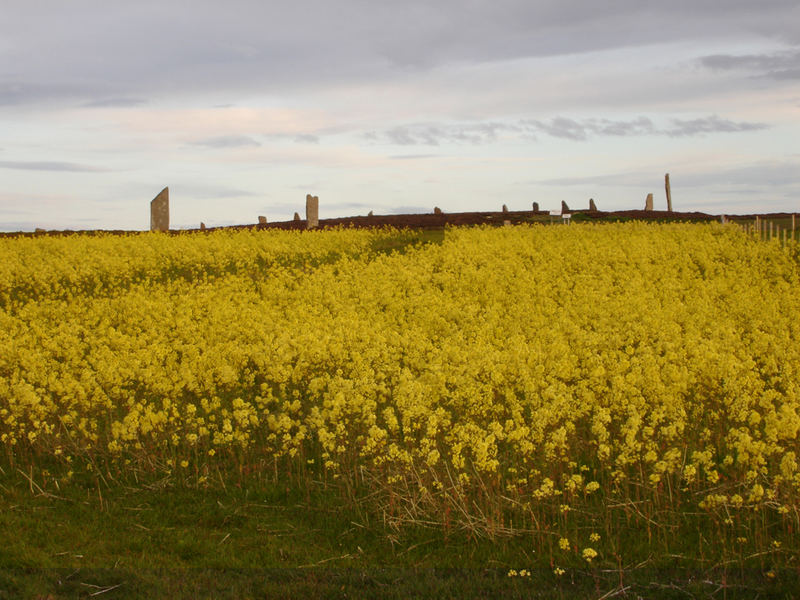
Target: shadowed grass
[{"x": 280, "y": 542}]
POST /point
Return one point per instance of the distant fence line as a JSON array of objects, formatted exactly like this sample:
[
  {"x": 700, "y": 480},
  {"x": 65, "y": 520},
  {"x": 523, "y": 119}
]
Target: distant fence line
[{"x": 767, "y": 230}]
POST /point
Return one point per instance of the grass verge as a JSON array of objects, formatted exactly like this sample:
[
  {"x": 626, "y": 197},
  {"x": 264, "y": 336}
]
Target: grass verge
[{"x": 278, "y": 542}]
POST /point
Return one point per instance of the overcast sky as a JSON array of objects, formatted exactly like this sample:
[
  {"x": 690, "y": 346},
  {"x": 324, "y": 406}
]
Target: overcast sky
[{"x": 242, "y": 108}]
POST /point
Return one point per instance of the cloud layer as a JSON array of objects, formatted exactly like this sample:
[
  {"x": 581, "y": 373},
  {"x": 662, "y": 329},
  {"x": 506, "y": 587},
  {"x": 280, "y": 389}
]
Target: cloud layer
[
  {"x": 242, "y": 107},
  {"x": 112, "y": 52},
  {"x": 557, "y": 127}
]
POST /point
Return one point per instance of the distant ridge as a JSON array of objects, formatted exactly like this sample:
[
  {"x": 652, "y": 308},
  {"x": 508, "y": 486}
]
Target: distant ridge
[{"x": 439, "y": 220}]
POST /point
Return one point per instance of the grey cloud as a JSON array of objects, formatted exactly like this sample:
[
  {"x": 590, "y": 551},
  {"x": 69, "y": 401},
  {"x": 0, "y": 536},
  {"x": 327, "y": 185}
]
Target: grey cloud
[
  {"x": 777, "y": 65},
  {"x": 433, "y": 135},
  {"x": 227, "y": 141},
  {"x": 561, "y": 127},
  {"x": 785, "y": 74},
  {"x": 769, "y": 174},
  {"x": 558, "y": 127},
  {"x": 306, "y": 138},
  {"x": 412, "y": 156},
  {"x": 402, "y": 136},
  {"x": 49, "y": 166},
  {"x": 140, "y": 48},
  {"x": 16, "y": 93},
  {"x": 571, "y": 129},
  {"x": 115, "y": 103},
  {"x": 640, "y": 126},
  {"x": 297, "y": 138},
  {"x": 712, "y": 124},
  {"x": 755, "y": 177}
]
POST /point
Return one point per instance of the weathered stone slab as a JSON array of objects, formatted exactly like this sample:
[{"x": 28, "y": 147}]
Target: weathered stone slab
[
  {"x": 592, "y": 205},
  {"x": 648, "y": 203},
  {"x": 159, "y": 211},
  {"x": 437, "y": 210},
  {"x": 505, "y": 209},
  {"x": 535, "y": 207},
  {"x": 564, "y": 207},
  {"x": 369, "y": 214},
  {"x": 202, "y": 226},
  {"x": 262, "y": 220},
  {"x": 297, "y": 217},
  {"x": 312, "y": 211}
]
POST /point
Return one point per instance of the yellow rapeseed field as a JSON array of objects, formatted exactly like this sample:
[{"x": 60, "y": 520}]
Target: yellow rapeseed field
[{"x": 568, "y": 380}]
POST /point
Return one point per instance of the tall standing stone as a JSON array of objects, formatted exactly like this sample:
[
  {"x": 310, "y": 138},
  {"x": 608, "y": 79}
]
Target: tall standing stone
[
  {"x": 669, "y": 192},
  {"x": 648, "y": 203},
  {"x": 262, "y": 220},
  {"x": 505, "y": 209},
  {"x": 159, "y": 211},
  {"x": 564, "y": 207},
  {"x": 437, "y": 210},
  {"x": 592, "y": 205},
  {"x": 535, "y": 207},
  {"x": 297, "y": 217},
  {"x": 202, "y": 226},
  {"x": 312, "y": 211}
]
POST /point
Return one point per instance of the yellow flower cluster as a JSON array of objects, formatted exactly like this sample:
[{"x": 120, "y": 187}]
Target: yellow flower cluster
[{"x": 531, "y": 365}]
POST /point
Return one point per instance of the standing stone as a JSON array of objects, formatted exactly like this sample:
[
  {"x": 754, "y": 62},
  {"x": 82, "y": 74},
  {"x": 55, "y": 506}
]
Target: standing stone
[
  {"x": 262, "y": 220},
  {"x": 505, "y": 209},
  {"x": 722, "y": 219},
  {"x": 159, "y": 211},
  {"x": 592, "y": 205},
  {"x": 535, "y": 207},
  {"x": 669, "y": 192},
  {"x": 312, "y": 211},
  {"x": 564, "y": 207},
  {"x": 648, "y": 203},
  {"x": 296, "y": 217},
  {"x": 202, "y": 226},
  {"x": 437, "y": 210},
  {"x": 369, "y": 214}
]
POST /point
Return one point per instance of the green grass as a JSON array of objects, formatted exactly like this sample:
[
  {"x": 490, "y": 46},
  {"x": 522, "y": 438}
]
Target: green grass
[{"x": 276, "y": 541}]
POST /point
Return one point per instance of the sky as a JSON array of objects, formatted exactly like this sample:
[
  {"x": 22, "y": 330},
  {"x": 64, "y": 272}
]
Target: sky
[{"x": 242, "y": 108}]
